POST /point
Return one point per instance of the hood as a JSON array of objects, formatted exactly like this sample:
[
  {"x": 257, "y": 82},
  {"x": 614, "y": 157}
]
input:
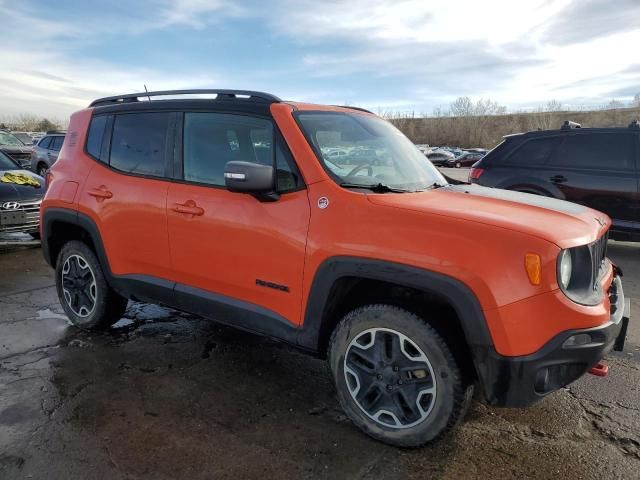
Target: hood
[
  {"x": 11, "y": 192},
  {"x": 9, "y": 149},
  {"x": 563, "y": 223}
]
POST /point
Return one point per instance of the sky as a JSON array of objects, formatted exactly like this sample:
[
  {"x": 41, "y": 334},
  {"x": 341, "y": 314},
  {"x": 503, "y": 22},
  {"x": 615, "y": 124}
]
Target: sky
[{"x": 401, "y": 56}]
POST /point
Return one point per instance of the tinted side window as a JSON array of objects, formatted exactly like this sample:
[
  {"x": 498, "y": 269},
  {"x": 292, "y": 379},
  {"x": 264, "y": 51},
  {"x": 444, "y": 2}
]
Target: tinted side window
[
  {"x": 138, "y": 143},
  {"x": 534, "y": 152},
  {"x": 56, "y": 143},
  {"x": 288, "y": 176},
  {"x": 44, "y": 143},
  {"x": 604, "y": 151},
  {"x": 94, "y": 137}
]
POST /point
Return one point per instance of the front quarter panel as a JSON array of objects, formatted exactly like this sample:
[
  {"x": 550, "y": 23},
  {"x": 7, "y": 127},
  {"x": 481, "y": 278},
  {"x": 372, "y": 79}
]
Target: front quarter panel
[{"x": 486, "y": 258}]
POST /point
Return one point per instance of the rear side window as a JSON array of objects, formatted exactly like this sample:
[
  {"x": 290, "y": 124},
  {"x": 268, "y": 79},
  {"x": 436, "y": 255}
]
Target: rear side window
[
  {"x": 213, "y": 139},
  {"x": 602, "y": 151},
  {"x": 94, "y": 137},
  {"x": 44, "y": 143},
  {"x": 56, "y": 143},
  {"x": 534, "y": 152},
  {"x": 138, "y": 143}
]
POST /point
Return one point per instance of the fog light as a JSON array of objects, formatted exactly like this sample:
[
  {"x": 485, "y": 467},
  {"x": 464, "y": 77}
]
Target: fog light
[{"x": 577, "y": 340}]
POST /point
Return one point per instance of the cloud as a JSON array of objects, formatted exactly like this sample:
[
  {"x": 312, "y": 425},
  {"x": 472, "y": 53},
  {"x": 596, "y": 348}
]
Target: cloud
[
  {"x": 196, "y": 13},
  {"x": 585, "y": 20},
  {"x": 402, "y": 54}
]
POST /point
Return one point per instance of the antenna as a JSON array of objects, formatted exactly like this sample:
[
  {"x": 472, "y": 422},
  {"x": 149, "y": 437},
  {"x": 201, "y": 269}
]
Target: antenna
[{"x": 145, "y": 89}]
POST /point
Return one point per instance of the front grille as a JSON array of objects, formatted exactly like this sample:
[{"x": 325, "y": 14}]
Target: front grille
[
  {"x": 598, "y": 251},
  {"x": 32, "y": 220}
]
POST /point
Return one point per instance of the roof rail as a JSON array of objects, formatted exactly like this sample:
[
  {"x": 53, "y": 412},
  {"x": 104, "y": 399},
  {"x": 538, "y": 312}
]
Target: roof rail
[
  {"x": 354, "y": 108},
  {"x": 635, "y": 125},
  {"x": 221, "y": 94},
  {"x": 568, "y": 125},
  {"x": 56, "y": 132}
]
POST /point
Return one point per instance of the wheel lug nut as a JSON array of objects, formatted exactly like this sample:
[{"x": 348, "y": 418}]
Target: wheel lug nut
[
  {"x": 399, "y": 382},
  {"x": 395, "y": 369},
  {"x": 379, "y": 377},
  {"x": 389, "y": 387}
]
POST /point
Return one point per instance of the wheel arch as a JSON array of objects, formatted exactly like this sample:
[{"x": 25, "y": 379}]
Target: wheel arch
[
  {"x": 339, "y": 278},
  {"x": 60, "y": 225}
]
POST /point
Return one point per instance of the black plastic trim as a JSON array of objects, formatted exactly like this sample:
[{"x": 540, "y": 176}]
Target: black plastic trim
[
  {"x": 225, "y": 94},
  {"x": 510, "y": 381},
  {"x": 457, "y": 294}
]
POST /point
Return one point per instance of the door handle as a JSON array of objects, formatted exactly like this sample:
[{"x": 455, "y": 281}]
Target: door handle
[
  {"x": 189, "y": 208},
  {"x": 558, "y": 179},
  {"x": 101, "y": 193}
]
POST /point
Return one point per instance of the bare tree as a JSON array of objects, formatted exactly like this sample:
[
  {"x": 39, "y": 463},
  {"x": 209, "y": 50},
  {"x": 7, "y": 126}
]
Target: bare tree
[{"x": 615, "y": 104}]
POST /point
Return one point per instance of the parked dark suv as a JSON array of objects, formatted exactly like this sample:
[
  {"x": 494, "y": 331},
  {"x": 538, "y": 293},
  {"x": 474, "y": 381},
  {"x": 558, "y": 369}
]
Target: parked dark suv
[{"x": 596, "y": 167}]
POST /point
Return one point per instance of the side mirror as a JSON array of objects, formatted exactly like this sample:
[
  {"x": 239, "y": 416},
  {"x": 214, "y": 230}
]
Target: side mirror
[{"x": 248, "y": 177}]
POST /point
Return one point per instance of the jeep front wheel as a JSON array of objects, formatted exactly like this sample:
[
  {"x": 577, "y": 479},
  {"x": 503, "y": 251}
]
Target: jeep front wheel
[
  {"x": 395, "y": 376},
  {"x": 86, "y": 297}
]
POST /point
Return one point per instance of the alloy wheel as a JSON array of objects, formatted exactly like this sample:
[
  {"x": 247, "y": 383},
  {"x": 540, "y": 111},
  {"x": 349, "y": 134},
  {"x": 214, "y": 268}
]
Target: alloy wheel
[
  {"x": 79, "y": 286},
  {"x": 390, "y": 378}
]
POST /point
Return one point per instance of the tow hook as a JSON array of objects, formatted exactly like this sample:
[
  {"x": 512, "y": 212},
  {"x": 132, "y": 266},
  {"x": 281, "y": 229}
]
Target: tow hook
[{"x": 600, "y": 370}]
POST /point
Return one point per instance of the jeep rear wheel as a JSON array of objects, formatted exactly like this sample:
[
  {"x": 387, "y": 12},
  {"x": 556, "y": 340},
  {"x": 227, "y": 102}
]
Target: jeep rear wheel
[
  {"x": 395, "y": 376},
  {"x": 85, "y": 296}
]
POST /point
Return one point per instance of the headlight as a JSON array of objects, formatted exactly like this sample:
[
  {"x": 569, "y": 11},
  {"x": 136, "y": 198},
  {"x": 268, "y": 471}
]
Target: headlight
[
  {"x": 566, "y": 268},
  {"x": 578, "y": 276}
]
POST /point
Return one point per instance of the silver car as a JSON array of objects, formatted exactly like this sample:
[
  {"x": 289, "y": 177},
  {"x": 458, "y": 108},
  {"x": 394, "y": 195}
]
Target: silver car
[{"x": 45, "y": 152}]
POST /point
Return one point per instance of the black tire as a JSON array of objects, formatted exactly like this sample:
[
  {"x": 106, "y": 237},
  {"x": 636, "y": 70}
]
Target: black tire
[
  {"x": 448, "y": 402},
  {"x": 42, "y": 169},
  {"x": 89, "y": 302}
]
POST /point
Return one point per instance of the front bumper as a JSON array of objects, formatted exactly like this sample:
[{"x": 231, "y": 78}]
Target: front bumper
[{"x": 520, "y": 381}]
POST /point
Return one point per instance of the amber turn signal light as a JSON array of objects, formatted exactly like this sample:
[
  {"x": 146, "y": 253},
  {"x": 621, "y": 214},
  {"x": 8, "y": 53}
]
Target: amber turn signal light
[{"x": 533, "y": 266}]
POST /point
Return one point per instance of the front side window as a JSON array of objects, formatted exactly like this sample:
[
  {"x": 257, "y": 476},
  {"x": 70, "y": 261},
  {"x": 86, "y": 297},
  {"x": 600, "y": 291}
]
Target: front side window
[
  {"x": 366, "y": 151},
  {"x": 138, "y": 143},
  {"x": 213, "y": 139},
  {"x": 603, "y": 151}
]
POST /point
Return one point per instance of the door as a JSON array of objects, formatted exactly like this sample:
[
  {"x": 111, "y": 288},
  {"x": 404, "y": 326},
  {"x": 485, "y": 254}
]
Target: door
[
  {"x": 126, "y": 194},
  {"x": 597, "y": 170},
  {"x": 234, "y": 249}
]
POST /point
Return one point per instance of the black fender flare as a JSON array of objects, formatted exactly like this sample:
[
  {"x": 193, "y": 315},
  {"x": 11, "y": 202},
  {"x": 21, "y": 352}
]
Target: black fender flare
[
  {"x": 73, "y": 217},
  {"x": 457, "y": 294}
]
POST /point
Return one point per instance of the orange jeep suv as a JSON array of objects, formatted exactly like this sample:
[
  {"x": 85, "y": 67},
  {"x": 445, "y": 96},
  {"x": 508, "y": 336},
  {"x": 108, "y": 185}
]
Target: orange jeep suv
[{"x": 236, "y": 207}]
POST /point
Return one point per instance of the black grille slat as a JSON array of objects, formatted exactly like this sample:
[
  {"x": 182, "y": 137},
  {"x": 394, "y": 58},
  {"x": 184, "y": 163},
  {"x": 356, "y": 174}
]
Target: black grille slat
[{"x": 598, "y": 251}]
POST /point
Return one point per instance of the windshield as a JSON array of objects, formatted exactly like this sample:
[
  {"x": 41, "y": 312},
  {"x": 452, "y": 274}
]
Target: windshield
[
  {"x": 368, "y": 151},
  {"x": 8, "y": 139},
  {"x": 6, "y": 163}
]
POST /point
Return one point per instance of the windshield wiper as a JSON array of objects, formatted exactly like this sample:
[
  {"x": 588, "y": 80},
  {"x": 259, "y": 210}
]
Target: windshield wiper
[{"x": 377, "y": 188}]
